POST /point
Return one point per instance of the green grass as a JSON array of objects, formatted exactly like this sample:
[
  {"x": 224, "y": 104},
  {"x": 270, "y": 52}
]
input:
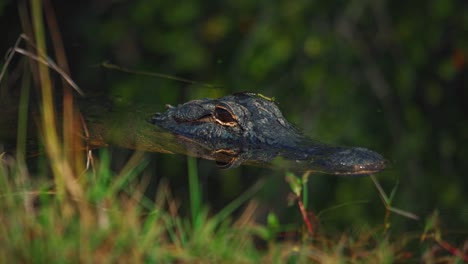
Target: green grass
[
  {"x": 67, "y": 212},
  {"x": 114, "y": 222}
]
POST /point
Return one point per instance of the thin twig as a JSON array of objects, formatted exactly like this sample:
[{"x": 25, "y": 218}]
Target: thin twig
[
  {"x": 41, "y": 58},
  {"x": 48, "y": 62},
  {"x": 111, "y": 66},
  {"x": 9, "y": 56},
  {"x": 385, "y": 201}
]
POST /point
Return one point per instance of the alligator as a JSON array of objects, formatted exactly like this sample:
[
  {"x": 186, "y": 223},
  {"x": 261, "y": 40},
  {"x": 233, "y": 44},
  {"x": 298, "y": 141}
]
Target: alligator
[
  {"x": 250, "y": 128},
  {"x": 242, "y": 128}
]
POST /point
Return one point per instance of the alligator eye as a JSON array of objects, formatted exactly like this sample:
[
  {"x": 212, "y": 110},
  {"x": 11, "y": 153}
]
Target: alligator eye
[
  {"x": 227, "y": 158},
  {"x": 224, "y": 116}
]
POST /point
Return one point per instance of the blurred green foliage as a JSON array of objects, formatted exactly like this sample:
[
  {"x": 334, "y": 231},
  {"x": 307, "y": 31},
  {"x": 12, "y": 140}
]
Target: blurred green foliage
[{"x": 386, "y": 75}]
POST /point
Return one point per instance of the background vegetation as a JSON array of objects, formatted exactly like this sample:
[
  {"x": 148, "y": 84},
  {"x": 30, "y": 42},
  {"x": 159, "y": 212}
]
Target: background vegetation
[{"x": 386, "y": 75}]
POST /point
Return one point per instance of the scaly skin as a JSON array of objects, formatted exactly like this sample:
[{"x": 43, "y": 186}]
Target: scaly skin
[
  {"x": 249, "y": 128},
  {"x": 243, "y": 128}
]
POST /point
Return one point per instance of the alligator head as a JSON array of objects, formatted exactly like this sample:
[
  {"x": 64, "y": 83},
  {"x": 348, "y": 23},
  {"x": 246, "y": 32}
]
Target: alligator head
[{"x": 247, "y": 127}]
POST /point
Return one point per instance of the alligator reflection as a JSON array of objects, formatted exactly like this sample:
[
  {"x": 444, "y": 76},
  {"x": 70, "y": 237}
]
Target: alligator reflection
[{"x": 247, "y": 128}]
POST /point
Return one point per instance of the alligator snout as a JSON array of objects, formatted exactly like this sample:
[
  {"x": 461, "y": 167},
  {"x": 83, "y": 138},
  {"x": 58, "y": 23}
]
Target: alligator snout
[{"x": 354, "y": 161}]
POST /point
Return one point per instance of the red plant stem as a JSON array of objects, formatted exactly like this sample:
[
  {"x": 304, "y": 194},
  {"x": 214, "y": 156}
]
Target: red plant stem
[
  {"x": 453, "y": 250},
  {"x": 305, "y": 217}
]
